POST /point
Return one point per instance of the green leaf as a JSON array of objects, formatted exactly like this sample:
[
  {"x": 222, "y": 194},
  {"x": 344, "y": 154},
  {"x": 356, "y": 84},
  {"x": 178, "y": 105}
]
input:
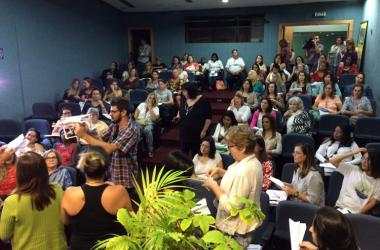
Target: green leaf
[
  {"x": 176, "y": 236},
  {"x": 234, "y": 210},
  {"x": 185, "y": 224},
  {"x": 188, "y": 195},
  {"x": 234, "y": 245},
  {"x": 222, "y": 247},
  {"x": 215, "y": 237}
]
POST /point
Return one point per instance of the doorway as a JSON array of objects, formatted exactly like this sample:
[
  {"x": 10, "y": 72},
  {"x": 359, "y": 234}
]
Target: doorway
[
  {"x": 328, "y": 31},
  {"x": 135, "y": 35}
]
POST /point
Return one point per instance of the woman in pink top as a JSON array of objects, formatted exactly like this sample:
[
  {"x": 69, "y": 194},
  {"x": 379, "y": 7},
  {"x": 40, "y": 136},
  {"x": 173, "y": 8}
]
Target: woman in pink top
[
  {"x": 191, "y": 65},
  {"x": 264, "y": 108},
  {"x": 327, "y": 101}
]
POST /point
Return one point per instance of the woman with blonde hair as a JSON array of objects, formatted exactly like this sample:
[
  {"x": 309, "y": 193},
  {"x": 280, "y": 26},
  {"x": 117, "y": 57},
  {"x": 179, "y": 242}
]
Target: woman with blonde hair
[{"x": 146, "y": 114}]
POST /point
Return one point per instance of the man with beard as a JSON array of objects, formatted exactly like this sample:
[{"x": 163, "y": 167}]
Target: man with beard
[{"x": 120, "y": 140}]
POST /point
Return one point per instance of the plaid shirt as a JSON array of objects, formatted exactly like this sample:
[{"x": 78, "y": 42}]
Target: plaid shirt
[{"x": 124, "y": 163}]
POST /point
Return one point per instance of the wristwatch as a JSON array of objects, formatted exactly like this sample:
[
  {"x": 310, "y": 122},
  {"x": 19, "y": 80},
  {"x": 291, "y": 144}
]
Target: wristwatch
[{"x": 296, "y": 194}]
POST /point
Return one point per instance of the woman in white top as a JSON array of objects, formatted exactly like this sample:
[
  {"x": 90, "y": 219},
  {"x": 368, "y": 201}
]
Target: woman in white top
[
  {"x": 146, "y": 114},
  {"x": 206, "y": 158},
  {"x": 244, "y": 178},
  {"x": 242, "y": 112},
  {"x": 215, "y": 68},
  {"x": 228, "y": 120},
  {"x": 307, "y": 184},
  {"x": 339, "y": 143},
  {"x": 272, "y": 138}
]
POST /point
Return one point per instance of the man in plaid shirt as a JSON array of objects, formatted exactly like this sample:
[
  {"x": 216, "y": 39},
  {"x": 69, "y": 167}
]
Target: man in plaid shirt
[{"x": 120, "y": 140}]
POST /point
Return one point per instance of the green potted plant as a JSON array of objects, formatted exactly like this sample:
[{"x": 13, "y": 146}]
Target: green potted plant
[{"x": 164, "y": 219}]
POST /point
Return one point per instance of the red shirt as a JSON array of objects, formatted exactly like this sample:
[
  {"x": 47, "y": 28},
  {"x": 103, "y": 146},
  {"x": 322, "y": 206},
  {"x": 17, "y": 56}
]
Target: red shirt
[
  {"x": 66, "y": 153},
  {"x": 9, "y": 182}
]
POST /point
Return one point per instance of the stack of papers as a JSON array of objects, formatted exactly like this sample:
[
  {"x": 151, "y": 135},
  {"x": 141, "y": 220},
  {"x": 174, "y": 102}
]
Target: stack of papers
[
  {"x": 297, "y": 232},
  {"x": 328, "y": 167},
  {"x": 19, "y": 142},
  {"x": 201, "y": 207},
  {"x": 276, "y": 181},
  {"x": 275, "y": 196}
]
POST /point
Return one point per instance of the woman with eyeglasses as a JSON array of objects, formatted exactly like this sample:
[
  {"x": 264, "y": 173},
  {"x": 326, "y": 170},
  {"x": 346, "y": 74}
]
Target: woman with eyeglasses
[
  {"x": 57, "y": 173},
  {"x": 207, "y": 158},
  {"x": 243, "y": 178}
]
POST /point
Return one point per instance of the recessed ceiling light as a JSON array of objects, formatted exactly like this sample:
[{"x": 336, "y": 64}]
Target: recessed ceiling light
[{"x": 224, "y": 1}]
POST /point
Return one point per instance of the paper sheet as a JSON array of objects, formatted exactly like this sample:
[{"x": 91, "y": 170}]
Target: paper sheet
[
  {"x": 74, "y": 119},
  {"x": 276, "y": 181},
  {"x": 328, "y": 167},
  {"x": 276, "y": 195},
  {"x": 297, "y": 232},
  {"x": 201, "y": 207},
  {"x": 19, "y": 142}
]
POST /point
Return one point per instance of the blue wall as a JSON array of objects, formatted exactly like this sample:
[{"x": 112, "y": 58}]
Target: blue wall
[
  {"x": 371, "y": 12},
  {"x": 48, "y": 43},
  {"x": 169, "y": 30}
]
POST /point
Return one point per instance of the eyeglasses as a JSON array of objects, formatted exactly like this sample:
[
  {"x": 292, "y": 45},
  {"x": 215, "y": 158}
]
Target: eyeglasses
[
  {"x": 114, "y": 111},
  {"x": 231, "y": 146}
]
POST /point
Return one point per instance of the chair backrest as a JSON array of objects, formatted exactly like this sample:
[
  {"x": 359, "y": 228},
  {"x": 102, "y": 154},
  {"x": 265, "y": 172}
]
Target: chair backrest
[
  {"x": 290, "y": 140},
  {"x": 74, "y": 107},
  {"x": 374, "y": 106},
  {"x": 166, "y": 75},
  {"x": 366, "y": 230},
  {"x": 278, "y": 121},
  {"x": 297, "y": 211},
  {"x": 333, "y": 191},
  {"x": 41, "y": 125},
  {"x": 73, "y": 174},
  {"x": 227, "y": 160},
  {"x": 287, "y": 172},
  {"x": 9, "y": 129},
  {"x": 328, "y": 123},
  {"x": 347, "y": 79},
  {"x": 138, "y": 96},
  {"x": 43, "y": 110},
  {"x": 367, "y": 128},
  {"x": 307, "y": 101},
  {"x": 373, "y": 145},
  {"x": 265, "y": 208}
]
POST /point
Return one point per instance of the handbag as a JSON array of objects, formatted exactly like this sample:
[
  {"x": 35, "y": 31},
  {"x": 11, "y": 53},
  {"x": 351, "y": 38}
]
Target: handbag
[{"x": 142, "y": 121}]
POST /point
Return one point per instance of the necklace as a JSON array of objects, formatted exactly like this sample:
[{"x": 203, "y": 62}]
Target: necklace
[
  {"x": 94, "y": 183},
  {"x": 188, "y": 108}
]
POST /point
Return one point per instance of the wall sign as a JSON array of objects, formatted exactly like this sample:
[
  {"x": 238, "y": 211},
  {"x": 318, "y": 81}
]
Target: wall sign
[{"x": 319, "y": 14}]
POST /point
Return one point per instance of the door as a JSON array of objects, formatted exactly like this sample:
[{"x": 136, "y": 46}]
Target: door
[{"x": 135, "y": 35}]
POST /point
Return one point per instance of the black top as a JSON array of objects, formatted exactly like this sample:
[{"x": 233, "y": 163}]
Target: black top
[
  {"x": 193, "y": 119},
  {"x": 88, "y": 104},
  {"x": 93, "y": 222}
]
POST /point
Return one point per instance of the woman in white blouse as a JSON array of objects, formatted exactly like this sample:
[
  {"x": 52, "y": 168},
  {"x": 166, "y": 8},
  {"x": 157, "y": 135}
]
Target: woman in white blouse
[
  {"x": 243, "y": 178},
  {"x": 207, "y": 158},
  {"x": 228, "y": 120},
  {"x": 272, "y": 138},
  {"x": 242, "y": 112},
  {"x": 215, "y": 68},
  {"x": 339, "y": 143}
]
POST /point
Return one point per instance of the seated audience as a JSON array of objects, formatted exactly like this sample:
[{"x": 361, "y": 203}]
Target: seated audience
[
  {"x": 176, "y": 63},
  {"x": 85, "y": 92},
  {"x": 152, "y": 84},
  {"x": 113, "y": 91},
  {"x": 243, "y": 178},
  {"x": 72, "y": 94},
  {"x": 266, "y": 163},
  {"x": 8, "y": 172},
  {"x": 111, "y": 73},
  {"x": 130, "y": 65},
  {"x": 347, "y": 68},
  {"x": 307, "y": 184},
  {"x": 146, "y": 114},
  {"x": 34, "y": 138},
  {"x": 182, "y": 76},
  {"x": 276, "y": 61},
  {"x": 327, "y": 102},
  {"x": 296, "y": 119},
  {"x": 147, "y": 73},
  {"x": 360, "y": 190},
  {"x": 331, "y": 230},
  {"x": 317, "y": 87},
  {"x": 349, "y": 51},
  {"x": 300, "y": 61},
  {"x": 226, "y": 122},
  {"x": 57, "y": 173},
  {"x": 68, "y": 149},
  {"x": 159, "y": 66},
  {"x": 301, "y": 86},
  {"x": 257, "y": 85},
  {"x": 260, "y": 62},
  {"x": 191, "y": 66},
  {"x": 97, "y": 102},
  {"x": 132, "y": 82},
  {"x": 183, "y": 60},
  {"x": 264, "y": 108},
  {"x": 275, "y": 77},
  {"x": 261, "y": 75},
  {"x": 359, "y": 79},
  {"x": 165, "y": 102},
  {"x": 321, "y": 59},
  {"x": 357, "y": 105},
  {"x": 235, "y": 70},
  {"x": 215, "y": 69},
  {"x": 250, "y": 98},
  {"x": 91, "y": 208},
  {"x": 272, "y": 138},
  {"x": 207, "y": 158},
  {"x": 317, "y": 76},
  {"x": 339, "y": 143},
  {"x": 275, "y": 97},
  {"x": 301, "y": 67},
  {"x": 31, "y": 215},
  {"x": 96, "y": 127},
  {"x": 242, "y": 112}
]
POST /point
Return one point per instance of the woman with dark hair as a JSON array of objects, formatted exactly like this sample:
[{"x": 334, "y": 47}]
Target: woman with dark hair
[
  {"x": 176, "y": 63},
  {"x": 250, "y": 97},
  {"x": 339, "y": 143},
  {"x": 265, "y": 107},
  {"x": 147, "y": 73},
  {"x": 276, "y": 60},
  {"x": 112, "y": 72},
  {"x": 97, "y": 102},
  {"x": 130, "y": 65},
  {"x": 191, "y": 66},
  {"x": 347, "y": 68},
  {"x": 317, "y": 88},
  {"x": 34, "y": 138},
  {"x": 57, "y": 173},
  {"x": 335, "y": 54},
  {"x": 301, "y": 86},
  {"x": 260, "y": 62},
  {"x": 357, "y": 105},
  {"x": 206, "y": 158},
  {"x": 360, "y": 191},
  {"x": 261, "y": 75},
  {"x": 195, "y": 118},
  {"x": 328, "y": 102},
  {"x": 132, "y": 82},
  {"x": 285, "y": 52},
  {"x": 300, "y": 61},
  {"x": 318, "y": 75},
  {"x": 86, "y": 90},
  {"x": 72, "y": 94},
  {"x": 307, "y": 184},
  {"x": 91, "y": 208},
  {"x": 30, "y": 216},
  {"x": 272, "y": 138},
  {"x": 113, "y": 91},
  {"x": 215, "y": 69},
  {"x": 152, "y": 84},
  {"x": 262, "y": 156},
  {"x": 276, "y": 77},
  {"x": 226, "y": 122},
  {"x": 276, "y": 99},
  {"x": 68, "y": 149},
  {"x": 331, "y": 230}
]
